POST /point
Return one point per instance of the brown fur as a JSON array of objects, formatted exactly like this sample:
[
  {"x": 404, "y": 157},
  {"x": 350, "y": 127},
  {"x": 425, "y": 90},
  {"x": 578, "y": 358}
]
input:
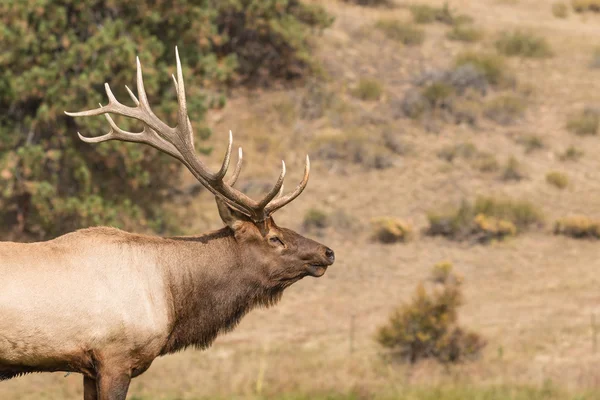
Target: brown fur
[{"x": 106, "y": 303}]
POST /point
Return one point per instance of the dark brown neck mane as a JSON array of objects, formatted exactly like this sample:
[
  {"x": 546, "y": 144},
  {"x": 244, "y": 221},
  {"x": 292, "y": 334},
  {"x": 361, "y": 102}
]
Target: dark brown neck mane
[{"x": 209, "y": 296}]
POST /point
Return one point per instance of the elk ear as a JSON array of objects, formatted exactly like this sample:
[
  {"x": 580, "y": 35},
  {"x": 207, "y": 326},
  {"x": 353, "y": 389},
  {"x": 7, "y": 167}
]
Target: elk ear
[{"x": 231, "y": 217}]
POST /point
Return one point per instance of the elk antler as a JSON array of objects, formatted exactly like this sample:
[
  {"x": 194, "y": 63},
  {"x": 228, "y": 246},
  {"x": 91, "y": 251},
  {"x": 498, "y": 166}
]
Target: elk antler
[{"x": 179, "y": 143}]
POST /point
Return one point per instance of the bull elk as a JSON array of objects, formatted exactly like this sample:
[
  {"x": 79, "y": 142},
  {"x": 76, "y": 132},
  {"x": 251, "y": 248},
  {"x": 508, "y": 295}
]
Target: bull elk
[{"x": 105, "y": 303}]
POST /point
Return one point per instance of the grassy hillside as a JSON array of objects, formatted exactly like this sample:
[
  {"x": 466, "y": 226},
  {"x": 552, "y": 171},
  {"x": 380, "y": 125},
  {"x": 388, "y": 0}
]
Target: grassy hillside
[{"x": 416, "y": 111}]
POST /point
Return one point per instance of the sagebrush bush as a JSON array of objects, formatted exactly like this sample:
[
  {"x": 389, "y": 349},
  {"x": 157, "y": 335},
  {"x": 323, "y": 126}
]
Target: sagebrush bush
[
  {"x": 56, "y": 56},
  {"x": 491, "y": 65},
  {"x": 353, "y": 147},
  {"x": 400, "y": 31},
  {"x": 531, "y": 143},
  {"x": 485, "y": 220},
  {"x": 465, "y": 33},
  {"x": 465, "y": 150},
  {"x": 523, "y": 44},
  {"x": 486, "y": 162},
  {"x": 586, "y": 5},
  {"x": 560, "y": 10},
  {"x": 505, "y": 109},
  {"x": 513, "y": 170},
  {"x": 557, "y": 179},
  {"x": 578, "y": 226},
  {"x": 427, "y": 327},
  {"x": 370, "y": 3},
  {"x": 595, "y": 62},
  {"x": 315, "y": 219},
  {"x": 391, "y": 230},
  {"x": 572, "y": 153},
  {"x": 585, "y": 122},
  {"x": 368, "y": 89}
]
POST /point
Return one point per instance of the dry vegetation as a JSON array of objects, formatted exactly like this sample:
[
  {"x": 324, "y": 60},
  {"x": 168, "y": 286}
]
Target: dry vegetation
[{"x": 436, "y": 114}]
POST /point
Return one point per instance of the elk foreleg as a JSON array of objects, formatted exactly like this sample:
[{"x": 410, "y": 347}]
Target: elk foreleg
[
  {"x": 112, "y": 385},
  {"x": 89, "y": 389}
]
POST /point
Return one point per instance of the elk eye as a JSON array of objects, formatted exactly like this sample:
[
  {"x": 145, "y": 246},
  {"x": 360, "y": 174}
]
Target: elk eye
[{"x": 275, "y": 240}]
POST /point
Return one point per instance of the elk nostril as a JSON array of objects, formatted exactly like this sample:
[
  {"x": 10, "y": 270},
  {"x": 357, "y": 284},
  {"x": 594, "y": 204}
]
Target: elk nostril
[{"x": 330, "y": 254}]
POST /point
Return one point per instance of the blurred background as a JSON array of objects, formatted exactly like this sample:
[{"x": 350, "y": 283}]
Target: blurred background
[{"x": 455, "y": 173}]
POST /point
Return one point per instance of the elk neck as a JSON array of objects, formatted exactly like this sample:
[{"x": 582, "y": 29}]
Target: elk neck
[{"x": 211, "y": 287}]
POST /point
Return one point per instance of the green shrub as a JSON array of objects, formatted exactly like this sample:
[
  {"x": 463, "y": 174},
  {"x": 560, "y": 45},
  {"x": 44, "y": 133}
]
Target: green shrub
[
  {"x": 531, "y": 142},
  {"x": 370, "y": 3},
  {"x": 523, "y": 44},
  {"x": 557, "y": 179},
  {"x": 436, "y": 92},
  {"x": 505, "y": 109},
  {"x": 428, "y": 326},
  {"x": 491, "y": 65},
  {"x": 315, "y": 219},
  {"x": 486, "y": 162},
  {"x": 585, "y": 122},
  {"x": 391, "y": 230},
  {"x": 586, "y": 5},
  {"x": 560, "y": 10},
  {"x": 595, "y": 63},
  {"x": 402, "y": 32},
  {"x": 488, "y": 219},
  {"x": 513, "y": 170},
  {"x": 353, "y": 147},
  {"x": 465, "y": 33},
  {"x": 572, "y": 153},
  {"x": 56, "y": 56},
  {"x": 425, "y": 14},
  {"x": 464, "y": 150},
  {"x": 368, "y": 89},
  {"x": 577, "y": 226}
]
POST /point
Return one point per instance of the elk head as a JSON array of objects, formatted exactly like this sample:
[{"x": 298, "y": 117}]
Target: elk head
[{"x": 283, "y": 255}]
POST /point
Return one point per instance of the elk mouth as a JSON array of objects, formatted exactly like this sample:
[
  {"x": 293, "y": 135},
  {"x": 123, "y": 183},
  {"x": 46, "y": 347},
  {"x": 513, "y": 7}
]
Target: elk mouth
[{"x": 316, "y": 270}]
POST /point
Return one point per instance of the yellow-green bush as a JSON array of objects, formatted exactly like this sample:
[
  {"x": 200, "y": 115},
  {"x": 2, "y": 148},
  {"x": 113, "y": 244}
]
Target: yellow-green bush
[
  {"x": 391, "y": 230},
  {"x": 356, "y": 147},
  {"x": 578, "y": 226},
  {"x": 427, "y": 327},
  {"x": 585, "y": 122},
  {"x": 400, "y": 31},
  {"x": 560, "y": 10},
  {"x": 368, "y": 89},
  {"x": 505, "y": 109},
  {"x": 513, "y": 170},
  {"x": 315, "y": 219},
  {"x": 491, "y": 65},
  {"x": 557, "y": 179},
  {"x": 465, "y": 33},
  {"x": 531, "y": 142},
  {"x": 487, "y": 219},
  {"x": 572, "y": 153},
  {"x": 523, "y": 44},
  {"x": 586, "y": 5}
]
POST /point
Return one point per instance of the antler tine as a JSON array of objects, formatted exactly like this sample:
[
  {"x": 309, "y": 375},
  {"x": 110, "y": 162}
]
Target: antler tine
[
  {"x": 182, "y": 116},
  {"x": 275, "y": 190},
  {"x": 135, "y": 100},
  {"x": 238, "y": 168},
  {"x": 117, "y": 133},
  {"x": 282, "y": 201},
  {"x": 219, "y": 175},
  {"x": 140, "y": 86}
]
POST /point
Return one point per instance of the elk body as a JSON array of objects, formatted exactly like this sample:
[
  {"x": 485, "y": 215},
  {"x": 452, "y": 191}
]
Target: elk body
[{"x": 105, "y": 303}]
